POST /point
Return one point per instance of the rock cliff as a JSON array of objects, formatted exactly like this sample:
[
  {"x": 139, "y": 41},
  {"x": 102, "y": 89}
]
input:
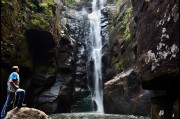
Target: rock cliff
[
  {"x": 144, "y": 37},
  {"x": 30, "y": 29},
  {"x": 158, "y": 45}
]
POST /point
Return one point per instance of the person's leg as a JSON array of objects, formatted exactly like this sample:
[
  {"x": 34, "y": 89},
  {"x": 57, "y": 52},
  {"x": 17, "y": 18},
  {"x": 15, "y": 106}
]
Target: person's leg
[
  {"x": 10, "y": 102},
  {"x": 15, "y": 101},
  {"x": 21, "y": 95},
  {"x": 7, "y": 104}
]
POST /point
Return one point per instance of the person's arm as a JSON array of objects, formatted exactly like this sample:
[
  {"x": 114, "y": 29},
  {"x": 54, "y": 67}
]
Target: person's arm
[{"x": 13, "y": 84}]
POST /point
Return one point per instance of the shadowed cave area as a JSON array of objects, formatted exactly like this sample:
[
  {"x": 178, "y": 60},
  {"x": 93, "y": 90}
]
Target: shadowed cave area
[
  {"x": 40, "y": 42},
  {"x": 170, "y": 83}
]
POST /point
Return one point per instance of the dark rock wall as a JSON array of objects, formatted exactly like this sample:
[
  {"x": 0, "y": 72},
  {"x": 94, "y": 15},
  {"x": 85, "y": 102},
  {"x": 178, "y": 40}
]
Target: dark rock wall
[
  {"x": 77, "y": 25},
  {"x": 105, "y": 41},
  {"x": 157, "y": 42},
  {"x": 121, "y": 43},
  {"x": 157, "y": 63},
  {"x": 122, "y": 92},
  {"x": 68, "y": 84},
  {"x": 20, "y": 22},
  {"x": 143, "y": 36}
]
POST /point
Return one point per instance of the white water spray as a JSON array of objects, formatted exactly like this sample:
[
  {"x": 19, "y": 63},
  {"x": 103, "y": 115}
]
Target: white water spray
[{"x": 95, "y": 27}]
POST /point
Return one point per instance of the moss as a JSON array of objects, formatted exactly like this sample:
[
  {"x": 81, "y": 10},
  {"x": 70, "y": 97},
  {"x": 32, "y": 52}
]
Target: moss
[
  {"x": 123, "y": 19},
  {"x": 3, "y": 1},
  {"x": 44, "y": 4},
  {"x": 48, "y": 7},
  {"x": 118, "y": 3},
  {"x": 40, "y": 21},
  {"x": 124, "y": 61},
  {"x": 122, "y": 23},
  {"x": 24, "y": 15},
  {"x": 125, "y": 23},
  {"x": 70, "y": 2}
]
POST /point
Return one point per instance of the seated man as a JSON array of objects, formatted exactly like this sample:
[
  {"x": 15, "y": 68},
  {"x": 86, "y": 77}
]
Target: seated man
[{"x": 12, "y": 90}]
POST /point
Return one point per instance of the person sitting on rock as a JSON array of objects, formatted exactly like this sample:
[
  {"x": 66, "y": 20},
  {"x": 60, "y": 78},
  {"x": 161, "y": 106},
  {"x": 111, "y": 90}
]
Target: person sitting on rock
[{"x": 13, "y": 90}]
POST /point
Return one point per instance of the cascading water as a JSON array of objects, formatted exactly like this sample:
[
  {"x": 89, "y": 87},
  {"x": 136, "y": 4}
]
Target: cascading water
[{"x": 96, "y": 54}]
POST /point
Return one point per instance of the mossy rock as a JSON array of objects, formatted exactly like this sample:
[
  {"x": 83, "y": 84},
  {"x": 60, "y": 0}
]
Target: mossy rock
[{"x": 24, "y": 15}]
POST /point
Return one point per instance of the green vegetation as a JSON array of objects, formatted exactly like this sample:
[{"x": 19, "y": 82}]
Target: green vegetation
[
  {"x": 48, "y": 7},
  {"x": 70, "y": 2},
  {"x": 125, "y": 19},
  {"x": 120, "y": 36},
  {"x": 16, "y": 18},
  {"x": 126, "y": 22},
  {"x": 119, "y": 2},
  {"x": 39, "y": 21}
]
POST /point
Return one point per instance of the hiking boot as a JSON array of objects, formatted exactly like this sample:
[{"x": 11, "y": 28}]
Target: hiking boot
[{"x": 21, "y": 105}]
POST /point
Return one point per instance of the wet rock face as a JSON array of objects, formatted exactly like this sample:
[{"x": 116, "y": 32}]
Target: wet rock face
[
  {"x": 76, "y": 32},
  {"x": 157, "y": 42},
  {"x": 58, "y": 63},
  {"x": 123, "y": 95},
  {"x": 105, "y": 40},
  {"x": 121, "y": 55},
  {"x": 60, "y": 71}
]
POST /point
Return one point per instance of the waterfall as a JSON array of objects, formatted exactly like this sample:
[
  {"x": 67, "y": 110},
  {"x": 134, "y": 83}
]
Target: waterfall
[{"x": 96, "y": 53}]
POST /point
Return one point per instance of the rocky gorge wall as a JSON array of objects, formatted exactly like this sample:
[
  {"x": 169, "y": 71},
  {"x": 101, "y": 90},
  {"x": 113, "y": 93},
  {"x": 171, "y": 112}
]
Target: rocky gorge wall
[
  {"x": 25, "y": 25},
  {"x": 48, "y": 42},
  {"x": 144, "y": 49},
  {"x": 157, "y": 37},
  {"x": 123, "y": 93}
]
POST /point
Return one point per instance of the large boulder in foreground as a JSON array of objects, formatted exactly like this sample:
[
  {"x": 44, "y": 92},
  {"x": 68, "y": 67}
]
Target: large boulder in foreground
[{"x": 26, "y": 113}]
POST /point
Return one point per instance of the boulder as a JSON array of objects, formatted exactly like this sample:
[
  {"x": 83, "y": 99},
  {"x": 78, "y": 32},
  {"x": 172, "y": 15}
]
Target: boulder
[
  {"x": 124, "y": 95},
  {"x": 26, "y": 113}
]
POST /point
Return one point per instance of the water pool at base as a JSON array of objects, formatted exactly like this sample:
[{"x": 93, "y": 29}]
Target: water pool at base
[{"x": 94, "y": 116}]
